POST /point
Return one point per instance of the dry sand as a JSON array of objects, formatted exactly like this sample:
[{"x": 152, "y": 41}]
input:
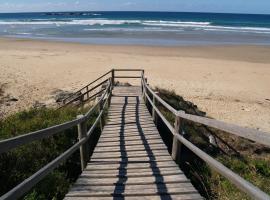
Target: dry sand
[{"x": 230, "y": 83}]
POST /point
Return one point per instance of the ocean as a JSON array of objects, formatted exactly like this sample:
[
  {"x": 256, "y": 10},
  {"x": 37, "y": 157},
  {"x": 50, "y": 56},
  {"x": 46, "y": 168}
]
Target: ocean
[{"x": 139, "y": 28}]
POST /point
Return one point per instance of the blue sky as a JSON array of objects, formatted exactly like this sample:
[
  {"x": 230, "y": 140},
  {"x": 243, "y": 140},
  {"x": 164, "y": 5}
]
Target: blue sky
[{"x": 227, "y": 6}]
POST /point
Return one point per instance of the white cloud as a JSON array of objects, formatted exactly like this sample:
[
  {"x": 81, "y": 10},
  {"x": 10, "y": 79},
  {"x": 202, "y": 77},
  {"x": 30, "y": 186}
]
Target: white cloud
[{"x": 129, "y": 4}]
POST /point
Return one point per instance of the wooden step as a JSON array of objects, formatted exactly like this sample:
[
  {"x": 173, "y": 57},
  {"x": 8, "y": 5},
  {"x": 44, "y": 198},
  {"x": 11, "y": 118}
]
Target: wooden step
[
  {"x": 145, "y": 165},
  {"x": 147, "y": 197},
  {"x": 132, "y": 192},
  {"x": 85, "y": 180}
]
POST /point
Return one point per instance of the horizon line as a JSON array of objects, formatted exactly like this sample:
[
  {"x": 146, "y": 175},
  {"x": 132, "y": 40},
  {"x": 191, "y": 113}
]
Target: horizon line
[{"x": 133, "y": 11}]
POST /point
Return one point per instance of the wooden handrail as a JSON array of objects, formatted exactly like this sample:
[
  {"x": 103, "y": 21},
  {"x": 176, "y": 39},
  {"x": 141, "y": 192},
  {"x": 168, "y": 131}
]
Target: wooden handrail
[
  {"x": 82, "y": 95},
  {"x": 9, "y": 144},
  {"x": 127, "y": 77},
  {"x": 128, "y": 70},
  {"x": 27, "y": 184},
  {"x": 248, "y": 133},
  {"x": 78, "y": 91},
  {"x": 238, "y": 181},
  {"x": 77, "y": 95}
]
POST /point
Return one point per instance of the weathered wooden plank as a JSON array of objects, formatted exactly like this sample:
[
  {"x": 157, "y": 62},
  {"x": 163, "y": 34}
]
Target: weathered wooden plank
[
  {"x": 130, "y": 136},
  {"x": 102, "y": 166},
  {"x": 130, "y": 148},
  {"x": 133, "y": 171},
  {"x": 124, "y": 174},
  {"x": 128, "y": 118},
  {"x": 116, "y": 138},
  {"x": 149, "y": 197},
  {"x": 126, "y": 143},
  {"x": 129, "y": 130},
  {"x": 132, "y": 153},
  {"x": 130, "y": 187},
  {"x": 125, "y": 192},
  {"x": 85, "y": 180},
  {"x": 131, "y": 124},
  {"x": 134, "y": 159}
]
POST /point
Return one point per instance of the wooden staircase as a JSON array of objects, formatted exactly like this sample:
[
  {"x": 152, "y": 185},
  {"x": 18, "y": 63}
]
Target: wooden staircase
[{"x": 130, "y": 160}]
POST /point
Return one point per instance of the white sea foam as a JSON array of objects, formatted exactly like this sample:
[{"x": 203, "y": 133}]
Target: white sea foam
[
  {"x": 24, "y": 33},
  {"x": 161, "y": 25},
  {"x": 73, "y": 22}
]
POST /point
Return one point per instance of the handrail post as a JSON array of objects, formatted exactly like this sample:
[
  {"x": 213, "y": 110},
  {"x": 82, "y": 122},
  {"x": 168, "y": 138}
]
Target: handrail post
[
  {"x": 99, "y": 111},
  {"x": 110, "y": 93},
  {"x": 87, "y": 89},
  {"x": 176, "y": 147},
  {"x": 82, "y": 99},
  {"x": 113, "y": 73},
  {"x": 142, "y": 79},
  {"x": 153, "y": 110},
  {"x": 84, "y": 149},
  {"x": 144, "y": 93}
]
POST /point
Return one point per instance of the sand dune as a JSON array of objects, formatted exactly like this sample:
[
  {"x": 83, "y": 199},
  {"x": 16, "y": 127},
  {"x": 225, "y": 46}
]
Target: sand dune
[{"x": 230, "y": 83}]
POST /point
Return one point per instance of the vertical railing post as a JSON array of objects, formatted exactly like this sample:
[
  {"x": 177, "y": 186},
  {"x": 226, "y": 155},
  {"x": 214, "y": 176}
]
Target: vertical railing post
[
  {"x": 110, "y": 93},
  {"x": 84, "y": 149},
  {"x": 87, "y": 89},
  {"x": 113, "y": 77},
  {"x": 176, "y": 147},
  {"x": 100, "y": 105},
  {"x": 142, "y": 79},
  {"x": 81, "y": 99},
  {"x": 153, "y": 109},
  {"x": 144, "y": 96}
]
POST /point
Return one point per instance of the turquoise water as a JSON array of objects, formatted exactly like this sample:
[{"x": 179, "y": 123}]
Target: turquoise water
[{"x": 145, "y": 28}]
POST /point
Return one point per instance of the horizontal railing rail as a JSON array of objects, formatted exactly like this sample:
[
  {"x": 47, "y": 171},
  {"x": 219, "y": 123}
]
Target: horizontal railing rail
[
  {"x": 86, "y": 93},
  {"x": 78, "y": 92},
  {"x": 114, "y": 76},
  {"x": 178, "y": 139}
]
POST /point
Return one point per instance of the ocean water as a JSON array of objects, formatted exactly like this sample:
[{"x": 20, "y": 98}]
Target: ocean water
[{"x": 140, "y": 28}]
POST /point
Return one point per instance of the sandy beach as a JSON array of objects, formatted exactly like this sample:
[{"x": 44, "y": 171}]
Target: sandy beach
[{"x": 229, "y": 83}]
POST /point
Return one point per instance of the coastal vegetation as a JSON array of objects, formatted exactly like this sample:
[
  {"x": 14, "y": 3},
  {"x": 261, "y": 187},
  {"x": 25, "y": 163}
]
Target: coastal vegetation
[
  {"x": 246, "y": 158},
  {"x": 22, "y": 162}
]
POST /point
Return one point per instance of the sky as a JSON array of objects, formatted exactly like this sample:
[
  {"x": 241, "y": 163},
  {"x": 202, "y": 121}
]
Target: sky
[{"x": 223, "y": 6}]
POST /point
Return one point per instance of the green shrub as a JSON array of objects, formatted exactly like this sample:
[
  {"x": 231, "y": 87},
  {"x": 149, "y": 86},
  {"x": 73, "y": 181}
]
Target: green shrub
[{"x": 22, "y": 162}]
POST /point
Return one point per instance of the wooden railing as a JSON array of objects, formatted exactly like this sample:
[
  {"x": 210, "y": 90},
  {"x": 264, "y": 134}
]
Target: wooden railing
[
  {"x": 178, "y": 139},
  {"x": 83, "y": 135},
  {"x": 92, "y": 90},
  {"x": 88, "y": 92},
  {"x": 104, "y": 100}
]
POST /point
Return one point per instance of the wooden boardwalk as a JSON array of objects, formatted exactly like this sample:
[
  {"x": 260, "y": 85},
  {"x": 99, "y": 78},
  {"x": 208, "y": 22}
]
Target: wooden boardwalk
[{"x": 130, "y": 160}]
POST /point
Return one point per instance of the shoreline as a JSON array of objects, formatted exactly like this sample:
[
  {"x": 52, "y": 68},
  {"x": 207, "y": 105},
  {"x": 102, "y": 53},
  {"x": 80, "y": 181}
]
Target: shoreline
[
  {"x": 250, "y": 55},
  {"x": 228, "y": 82}
]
